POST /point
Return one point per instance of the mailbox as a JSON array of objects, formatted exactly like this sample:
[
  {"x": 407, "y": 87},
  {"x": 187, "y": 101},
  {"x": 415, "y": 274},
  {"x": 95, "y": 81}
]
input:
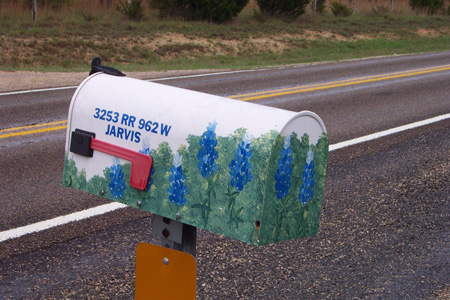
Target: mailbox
[{"x": 246, "y": 171}]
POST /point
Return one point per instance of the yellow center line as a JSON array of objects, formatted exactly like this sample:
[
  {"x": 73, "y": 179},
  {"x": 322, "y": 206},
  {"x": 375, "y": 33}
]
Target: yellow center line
[
  {"x": 32, "y": 131},
  {"x": 309, "y": 86},
  {"x": 32, "y": 126},
  {"x": 24, "y": 130},
  {"x": 334, "y": 84}
]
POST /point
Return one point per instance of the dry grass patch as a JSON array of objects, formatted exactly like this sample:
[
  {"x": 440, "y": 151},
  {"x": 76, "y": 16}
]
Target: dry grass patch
[{"x": 433, "y": 32}]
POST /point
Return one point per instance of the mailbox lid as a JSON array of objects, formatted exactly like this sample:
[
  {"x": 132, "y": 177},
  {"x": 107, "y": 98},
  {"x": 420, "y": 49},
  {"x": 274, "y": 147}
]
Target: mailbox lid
[
  {"x": 169, "y": 114},
  {"x": 213, "y": 157}
]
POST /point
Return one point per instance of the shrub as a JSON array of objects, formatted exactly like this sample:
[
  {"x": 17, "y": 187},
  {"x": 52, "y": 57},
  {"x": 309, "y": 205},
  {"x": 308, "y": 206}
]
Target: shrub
[
  {"x": 339, "y": 9},
  {"x": 380, "y": 10},
  {"x": 168, "y": 8},
  {"x": 88, "y": 17},
  {"x": 258, "y": 16},
  {"x": 131, "y": 9},
  {"x": 58, "y": 4},
  {"x": 320, "y": 6},
  {"x": 431, "y": 6},
  {"x": 54, "y": 4},
  {"x": 217, "y": 11},
  {"x": 283, "y": 8}
]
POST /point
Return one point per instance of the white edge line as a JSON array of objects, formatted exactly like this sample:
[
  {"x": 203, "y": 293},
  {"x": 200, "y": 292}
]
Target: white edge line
[
  {"x": 58, "y": 221},
  {"x": 206, "y": 74},
  {"x": 151, "y": 80},
  {"x": 380, "y": 134},
  {"x": 38, "y": 90},
  {"x": 103, "y": 209}
]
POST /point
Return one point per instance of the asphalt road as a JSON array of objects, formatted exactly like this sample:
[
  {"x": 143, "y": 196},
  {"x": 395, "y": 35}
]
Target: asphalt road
[{"x": 385, "y": 227}]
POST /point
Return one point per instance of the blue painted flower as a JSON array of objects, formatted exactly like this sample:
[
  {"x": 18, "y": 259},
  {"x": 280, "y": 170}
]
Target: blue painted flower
[
  {"x": 240, "y": 166},
  {"x": 284, "y": 172},
  {"x": 177, "y": 189},
  {"x": 117, "y": 185},
  {"x": 306, "y": 192},
  {"x": 146, "y": 150},
  {"x": 207, "y": 155}
]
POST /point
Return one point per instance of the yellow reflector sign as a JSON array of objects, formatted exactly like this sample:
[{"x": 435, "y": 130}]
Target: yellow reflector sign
[{"x": 163, "y": 273}]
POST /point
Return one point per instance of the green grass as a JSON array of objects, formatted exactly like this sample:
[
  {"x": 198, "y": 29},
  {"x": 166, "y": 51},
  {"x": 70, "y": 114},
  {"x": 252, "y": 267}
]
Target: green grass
[
  {"x": 313, "y": 52},
  {"x": 70, "y": 41}
]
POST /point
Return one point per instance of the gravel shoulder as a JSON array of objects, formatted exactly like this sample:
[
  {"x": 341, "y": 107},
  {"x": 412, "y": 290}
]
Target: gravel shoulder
[
  {"x": 384, "y": 235},
  {"x": 27, "y": 80},
  {"x": 24, "y": 80}
]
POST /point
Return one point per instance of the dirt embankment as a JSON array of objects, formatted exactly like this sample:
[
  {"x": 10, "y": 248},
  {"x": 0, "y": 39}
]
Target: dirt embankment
[
  {"x": 64, "y": 51},
  {"x": 166, "y": 47}
]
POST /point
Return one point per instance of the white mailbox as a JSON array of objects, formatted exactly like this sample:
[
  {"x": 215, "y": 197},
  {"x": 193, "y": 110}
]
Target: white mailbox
[{"x": 247, "y": 171}]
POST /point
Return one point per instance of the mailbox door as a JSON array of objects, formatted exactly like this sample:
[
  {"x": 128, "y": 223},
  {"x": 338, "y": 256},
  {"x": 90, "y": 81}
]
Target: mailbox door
[{"x": 295, "y": 181}]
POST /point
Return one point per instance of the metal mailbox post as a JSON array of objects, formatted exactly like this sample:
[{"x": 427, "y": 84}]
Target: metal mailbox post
[{"x": 246, "y": 171}]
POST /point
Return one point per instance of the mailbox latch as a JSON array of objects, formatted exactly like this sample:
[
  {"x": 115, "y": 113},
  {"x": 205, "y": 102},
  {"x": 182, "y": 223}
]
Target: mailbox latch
[{"x": 84, "y": 143}]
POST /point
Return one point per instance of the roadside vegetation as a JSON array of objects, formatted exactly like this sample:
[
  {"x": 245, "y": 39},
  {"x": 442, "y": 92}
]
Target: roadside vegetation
[{"x": 67, "y": 34}]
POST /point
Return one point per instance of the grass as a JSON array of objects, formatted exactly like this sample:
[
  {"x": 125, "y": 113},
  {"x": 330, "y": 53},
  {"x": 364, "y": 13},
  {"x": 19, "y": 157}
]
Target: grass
[
  {"x": 69, "y": 40},
  {"x": 310, "y": 52}
]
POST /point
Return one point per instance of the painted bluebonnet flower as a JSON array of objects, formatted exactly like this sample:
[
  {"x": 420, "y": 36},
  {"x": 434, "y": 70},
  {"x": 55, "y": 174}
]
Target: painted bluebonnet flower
[
  {"x": 284, "y": 172},
  {"x": 240, "y": 166},
  {"x": 306, "y": 192},
  {"x": 177, "y": 189},
  {"x": 207, "y": 154},
  {"x": 146, "y": 150},
  {"x": 117, "y": 185}
]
